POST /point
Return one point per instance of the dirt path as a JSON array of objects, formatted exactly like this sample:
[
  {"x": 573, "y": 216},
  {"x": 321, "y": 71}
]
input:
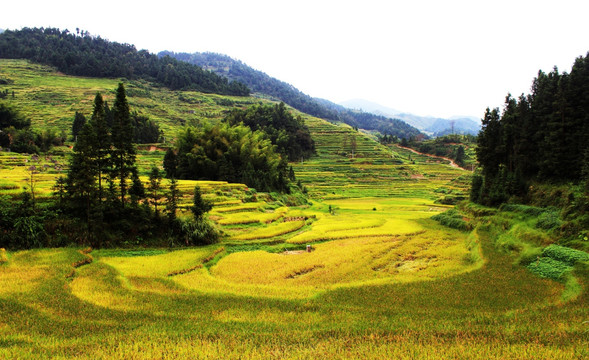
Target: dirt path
[{"x": 452, "y": 163}]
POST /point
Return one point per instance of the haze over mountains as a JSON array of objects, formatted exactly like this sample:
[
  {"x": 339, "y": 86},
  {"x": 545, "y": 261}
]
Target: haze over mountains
[
  {"x": 428, "y": 124},
  {"x": 261, "y": 83}
]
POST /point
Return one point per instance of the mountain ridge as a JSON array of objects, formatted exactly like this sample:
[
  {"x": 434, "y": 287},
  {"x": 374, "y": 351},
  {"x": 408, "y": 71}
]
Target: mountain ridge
[{"x": 260, "y": 82}]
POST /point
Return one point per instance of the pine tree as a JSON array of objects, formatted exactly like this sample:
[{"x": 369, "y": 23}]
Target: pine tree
[
  {"x": 170, "y": 163},
  {"x": 123, "y": 152},
  {"x": 172, "y": 203},
  {"x": 200, "y": 206},
  {"x": 81, "y": 177},
  {"x": 79, "y": 121},
  {"x": 102, "y": 141},
  {"x": 154, "y": 187}
]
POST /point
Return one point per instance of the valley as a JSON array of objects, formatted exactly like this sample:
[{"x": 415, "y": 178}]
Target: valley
[{"x": 381, "y": 279}]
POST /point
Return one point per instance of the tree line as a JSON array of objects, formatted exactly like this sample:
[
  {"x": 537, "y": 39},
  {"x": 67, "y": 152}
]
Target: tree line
[
  {"x": 541, "y": 136},
  {"x": 249, "y": 146},
  {"x": 289, "y": 133},
  {"x": 87, "y": 55},
  {"x": 102, "y": 201},
  {"x": 16, "y": 133},
  {"x": 262, "y": 83}
]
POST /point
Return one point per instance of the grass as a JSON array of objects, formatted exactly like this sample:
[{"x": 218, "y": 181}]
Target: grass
[{"x": 383, "y": 280}]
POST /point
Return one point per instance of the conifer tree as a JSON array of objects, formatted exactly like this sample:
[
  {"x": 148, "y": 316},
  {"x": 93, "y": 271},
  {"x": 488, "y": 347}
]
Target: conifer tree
[
  {"x": 102, "y": 141},
  {"x": 123, "y": 151},
  {"x": 200, "y": 206},
  {"x": 154, "y": 187},
  {"x": 172, "y": 203}
]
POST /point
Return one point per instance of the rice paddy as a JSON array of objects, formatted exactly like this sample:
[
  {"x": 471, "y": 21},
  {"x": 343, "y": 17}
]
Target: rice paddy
[{"x": 361, "y": 271}]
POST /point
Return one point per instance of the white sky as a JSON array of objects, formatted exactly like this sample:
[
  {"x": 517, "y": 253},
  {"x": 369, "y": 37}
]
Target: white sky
[{"x": 439, "y": 58}]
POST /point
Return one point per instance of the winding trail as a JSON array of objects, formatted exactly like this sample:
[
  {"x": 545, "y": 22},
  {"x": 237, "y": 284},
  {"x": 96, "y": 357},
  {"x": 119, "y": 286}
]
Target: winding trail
[{"x": 452, "y": 163}]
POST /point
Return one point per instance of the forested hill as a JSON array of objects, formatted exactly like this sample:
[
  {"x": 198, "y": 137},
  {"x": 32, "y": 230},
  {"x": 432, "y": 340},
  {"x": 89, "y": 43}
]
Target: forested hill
[
  {"x": 542, "y": 137},
  {"x": 82, "y": 54},
  {"x": 262, "y": 83}
]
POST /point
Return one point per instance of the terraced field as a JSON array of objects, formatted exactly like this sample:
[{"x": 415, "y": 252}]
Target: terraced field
[{"x": 361, "y": 271}]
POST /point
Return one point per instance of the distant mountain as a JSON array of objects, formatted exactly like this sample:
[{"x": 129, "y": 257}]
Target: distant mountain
[
  {"x": 428, "y": 124},
  {"x": 264, "y": 84}
]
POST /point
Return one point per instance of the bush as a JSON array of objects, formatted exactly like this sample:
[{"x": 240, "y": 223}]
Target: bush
[
  {"x": 198, "y": 232},
  {"x": 524, "y": 209},
  {"x": 564, "y": 254},
  {"x": 549, "y": 220},
  {"x": 451, "y": 218},
  {"x": 547, "y": 267}
]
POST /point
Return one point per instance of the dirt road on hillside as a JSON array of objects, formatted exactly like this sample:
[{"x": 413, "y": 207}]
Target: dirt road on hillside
[{"x": 452, "y": 163}]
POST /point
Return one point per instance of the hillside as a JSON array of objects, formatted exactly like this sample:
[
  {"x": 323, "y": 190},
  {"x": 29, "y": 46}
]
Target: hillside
[
  {"x": 87, "y": 55},
  {"x": 382, "y": 280},
  {"x": 263, "y": 84},
  {"x": 51, "y": 99}
]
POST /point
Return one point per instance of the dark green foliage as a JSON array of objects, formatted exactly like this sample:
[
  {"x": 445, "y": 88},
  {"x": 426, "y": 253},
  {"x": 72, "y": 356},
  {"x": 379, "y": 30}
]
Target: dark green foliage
[
  {"x": 15, "y": 132},
  {"x": 10, "y": 117},
  {"x": 539, "y": 137},
  {"x": 93, "y": 56},
  {"x": 290, "y": 135},
  {"x": 79, "y": 121},
  {"x": 154, "y": 187},
  {"x": 453, "y": 219},
  {"x": 200, "y": 206},
  {"x": 21, "y": 226},
  {"x": 262, "y": 83},
  {"x": 198, "y": 232},
  {"x": 548, "y": 220},
  {"x": 231, "y": 153},
  {"x": 172, "y": 200},
  {"x": 564, "y": 254},
  {"x": 123, "y": 151},
  {"x": 145, "y": 131},
  {"x": 170, "y": 164},
  {"x": 549, "y": 268},
  {"x": 524, "y": 209}
]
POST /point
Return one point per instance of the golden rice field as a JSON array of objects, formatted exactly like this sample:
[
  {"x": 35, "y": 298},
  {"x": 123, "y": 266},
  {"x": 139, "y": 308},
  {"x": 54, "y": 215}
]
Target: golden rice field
[{"x": 381, "y": 280}]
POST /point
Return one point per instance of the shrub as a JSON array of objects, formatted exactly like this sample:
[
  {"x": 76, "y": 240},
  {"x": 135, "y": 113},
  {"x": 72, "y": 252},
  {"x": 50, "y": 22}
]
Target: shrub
[
  {"x": 524, "y": 209},
  {"x": 549, "y": 220},
  {"x": 550, "y": 268},
  {"x": 451, "y": 218},
  {"x": 198, "y": 232},
  {"x": 564, "y": 254}
]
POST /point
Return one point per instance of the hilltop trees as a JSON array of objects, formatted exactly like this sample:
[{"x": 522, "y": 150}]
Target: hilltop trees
[
  {"x": 104, "y": 193},
  {"x": 538, "y": 137},
  {"x": 231, "y": 153},
  {"x": 93, "y": 56},
  {"x": 290, "y": 135}
]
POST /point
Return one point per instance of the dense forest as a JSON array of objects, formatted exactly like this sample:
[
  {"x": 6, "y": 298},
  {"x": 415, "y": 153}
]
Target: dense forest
[
  {"x": 537, "y": 137},
  {"x": 230, "y": 153},
  {"x": 262, "y": 83},
  {"x": 290, "y": 134},
  {"x": 82, "y": 54}
]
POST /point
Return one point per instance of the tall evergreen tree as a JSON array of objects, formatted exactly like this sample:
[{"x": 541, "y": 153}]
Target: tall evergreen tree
[
  {"x": 81, "y": 177},
  {"x": 123, "y": 151},
  {"x": 155, "y": 186},
  {"x": 102, "y": 144},
  {"x": 79, "y": 121},
  {"x": 172, "y": 200}
]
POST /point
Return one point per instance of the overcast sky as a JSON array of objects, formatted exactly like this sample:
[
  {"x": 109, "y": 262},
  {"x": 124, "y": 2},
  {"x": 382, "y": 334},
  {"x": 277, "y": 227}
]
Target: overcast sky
[{"x": 435, "y": 57}]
